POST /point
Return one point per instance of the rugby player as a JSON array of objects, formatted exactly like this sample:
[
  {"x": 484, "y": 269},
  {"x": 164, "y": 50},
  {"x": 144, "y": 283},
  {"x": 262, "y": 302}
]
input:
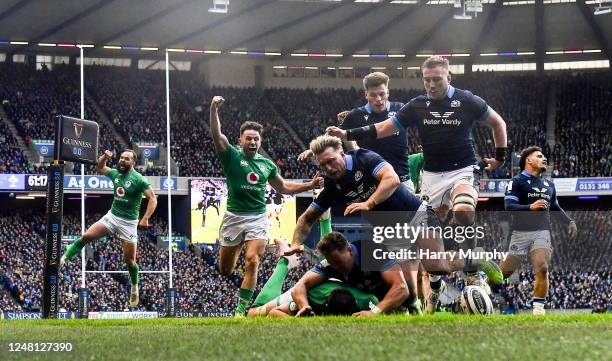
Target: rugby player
[
  {"x": 332, "y": 297},
  {"x": 122, "y": 219},
  {"x": 531, "y": 197},
  {"x": 245, "y": 221},
  {"x": 444, "y": 118},
  {"x": 361, "y": 180},
  {"x": 342, "y": 262}
]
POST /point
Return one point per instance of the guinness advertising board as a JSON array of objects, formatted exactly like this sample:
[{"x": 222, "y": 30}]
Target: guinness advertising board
[{"x": 78, "y": 140}]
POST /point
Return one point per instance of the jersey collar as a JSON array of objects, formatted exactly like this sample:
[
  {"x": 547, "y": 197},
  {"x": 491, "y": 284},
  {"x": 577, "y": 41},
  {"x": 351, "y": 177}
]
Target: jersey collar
[
  {"x": 527, "y": 174},
  {"x": 368, "y": 108},
  {"x": 349, "y": 161}
]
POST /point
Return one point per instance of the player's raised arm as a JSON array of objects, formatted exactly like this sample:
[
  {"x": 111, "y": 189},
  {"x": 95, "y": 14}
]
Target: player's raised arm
[
  {"x": 396, "y": 294},
  {"x": 284, "y": 187},
  {"x": 101, "y": 167},
  {"x": 219, "y": 139},
  {"x": 500, "y": 138},
  {"x": 376, "y": 131}
]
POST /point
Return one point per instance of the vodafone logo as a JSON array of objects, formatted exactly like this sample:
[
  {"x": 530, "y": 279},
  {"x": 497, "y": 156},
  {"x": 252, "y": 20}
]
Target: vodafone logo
[
  {"x": 120, "y": 191},
  {"x": 252, "y": 178}
]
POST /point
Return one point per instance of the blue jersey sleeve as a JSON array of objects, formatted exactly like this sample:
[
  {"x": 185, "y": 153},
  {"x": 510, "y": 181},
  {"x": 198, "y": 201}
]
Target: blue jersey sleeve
[
  {"x": 326, "y": 198},
  {"x": 478, "y": 108},
  {"x": 370, "y": 161},
  {"x": 405, "y": 117},
  {"x": 320, "y": 268},
  {"x": 558, "y": 212},
  {"x": 511, "y": 200}
]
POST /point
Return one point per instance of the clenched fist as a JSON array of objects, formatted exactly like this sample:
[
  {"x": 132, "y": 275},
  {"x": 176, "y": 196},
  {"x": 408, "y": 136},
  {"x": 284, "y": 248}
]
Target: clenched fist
[{"x": 216, "y": 101}]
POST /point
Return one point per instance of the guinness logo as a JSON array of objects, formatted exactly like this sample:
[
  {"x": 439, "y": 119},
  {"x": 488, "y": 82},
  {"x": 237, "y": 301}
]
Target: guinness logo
[{"x": 78, "y": 129}]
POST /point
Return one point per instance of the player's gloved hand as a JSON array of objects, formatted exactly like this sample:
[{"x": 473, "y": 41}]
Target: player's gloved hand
[
  {"x": 317, "y": 181},
  {"x": 295, "y": 248},
  {"x": 342, "y": 115},
  {"x": 538, "y": 205},
  {"x": 305, "y": 311},
  {"x": 492, "y": 164},
  {"x": 108, "y": 154},
  {"x": 336, "y": 132},
  {"x": 304, "y": 155},
  {"x": 572, "y": 229},
  {"x": 364, "y": 314},
  {"x": 216, "y": 101},
  {"x": 357, "y": 207},
  {"x": 144, "y": 223}
]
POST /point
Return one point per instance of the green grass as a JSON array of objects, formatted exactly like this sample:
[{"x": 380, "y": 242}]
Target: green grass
[{"x": 441, "y": 337}]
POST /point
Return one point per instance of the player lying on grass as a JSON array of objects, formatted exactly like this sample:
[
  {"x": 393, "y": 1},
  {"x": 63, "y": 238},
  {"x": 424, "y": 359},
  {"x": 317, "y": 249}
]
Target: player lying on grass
[
  {"x": 361, "y": 180},
  {"x": 343, "y": 262},
  {"x": 331, "y": 297}
]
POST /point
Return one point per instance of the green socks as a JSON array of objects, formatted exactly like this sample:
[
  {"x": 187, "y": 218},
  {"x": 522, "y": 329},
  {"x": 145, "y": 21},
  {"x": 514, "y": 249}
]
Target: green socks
[
  {"x": 244, "y": 298},
  {"x": 325, "y": 225},
  {"x": 74, "y": 249},
  {"x": 274, "y": 285},
  {"x": 134, "y": 272}
]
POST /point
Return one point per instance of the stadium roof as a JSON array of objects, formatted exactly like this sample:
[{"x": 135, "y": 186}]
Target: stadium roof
[{"x": 289, "y": 26}]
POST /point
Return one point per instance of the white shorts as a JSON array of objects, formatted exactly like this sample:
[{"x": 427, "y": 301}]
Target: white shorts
[
  {"x": 420, "y": 219},
  {"x": 436, "y": 187},
  {"x": 408, "y": 183},
  {"x": 124, "y": 229},
  {"x": 236, "y": 229},
  {"x": 523, "y": 242}
]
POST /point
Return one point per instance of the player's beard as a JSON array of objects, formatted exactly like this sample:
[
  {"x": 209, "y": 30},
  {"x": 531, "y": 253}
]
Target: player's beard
[{"x": 124, "y": 169}]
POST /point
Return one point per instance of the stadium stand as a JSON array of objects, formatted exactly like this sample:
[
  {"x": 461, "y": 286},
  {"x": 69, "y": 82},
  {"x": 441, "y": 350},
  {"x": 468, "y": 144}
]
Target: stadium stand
[{"x": 134, "y": 101}]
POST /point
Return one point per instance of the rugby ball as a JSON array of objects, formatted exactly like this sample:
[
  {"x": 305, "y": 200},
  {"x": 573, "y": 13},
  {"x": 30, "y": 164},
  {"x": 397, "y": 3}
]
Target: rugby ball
[{"x": 475, "y": 301}]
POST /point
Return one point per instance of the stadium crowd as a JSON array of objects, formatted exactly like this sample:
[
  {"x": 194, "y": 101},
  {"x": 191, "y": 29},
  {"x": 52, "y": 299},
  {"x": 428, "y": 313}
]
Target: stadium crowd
[
  {"x": 583, "y": 134},
  {"x": 134, "y": 101},
  {"x": 580, "y": 276}
]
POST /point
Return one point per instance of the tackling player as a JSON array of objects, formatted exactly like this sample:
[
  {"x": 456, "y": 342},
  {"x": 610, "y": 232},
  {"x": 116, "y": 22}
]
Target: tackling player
[
  {"x": 342, "y": 262},
  {"x": 530, "y": 198},
  {"x": 330, "y": 297},
  {"x": 122, "y": 219},
  {"x": 245, "y": 221},
  {"x": 361, "y": 180}
]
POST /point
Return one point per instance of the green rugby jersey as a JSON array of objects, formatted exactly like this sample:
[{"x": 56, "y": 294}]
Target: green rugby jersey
[
  {"x": 246, "y": 180},
  {"x": 128, "y": 193},
  {"x": 415, "y": 163},
  {"x": 318, "y": 295}
]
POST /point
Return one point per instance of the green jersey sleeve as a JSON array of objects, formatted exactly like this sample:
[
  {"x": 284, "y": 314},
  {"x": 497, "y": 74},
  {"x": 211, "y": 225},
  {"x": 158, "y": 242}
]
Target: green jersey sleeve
[
  {"x": 273, "y": 170},
  {"x": 145, "y": 184},
  {"x": 112, "y": 173},
  {"x": 230, "y": 154}
]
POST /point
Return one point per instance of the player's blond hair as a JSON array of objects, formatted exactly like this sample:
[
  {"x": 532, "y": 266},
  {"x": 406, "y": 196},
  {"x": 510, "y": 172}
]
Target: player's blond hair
[
  {"x": 435, "y": 61},
  {"x": 322, "y": 142},
  {"x": 375, "y": 79}
]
